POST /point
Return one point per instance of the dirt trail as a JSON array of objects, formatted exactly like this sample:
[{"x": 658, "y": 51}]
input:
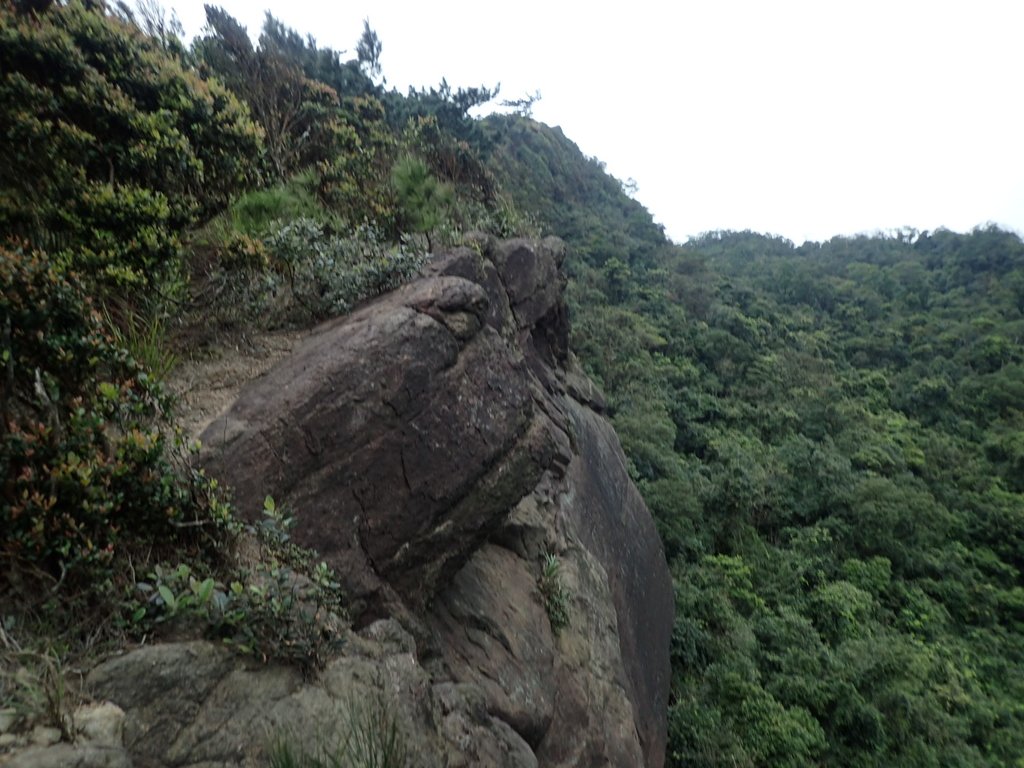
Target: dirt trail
[{"x": 207, "y": 386}]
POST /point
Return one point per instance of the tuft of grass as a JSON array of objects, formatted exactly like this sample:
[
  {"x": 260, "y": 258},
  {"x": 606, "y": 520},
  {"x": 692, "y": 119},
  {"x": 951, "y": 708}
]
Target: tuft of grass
[
  {"x": 369, "y": 738},
  {"x": 144, "y": 336},
  {"x": 258, "y": 213},
  {"x": 37, "y": 687},
  {"x": 554, "y": 593}
]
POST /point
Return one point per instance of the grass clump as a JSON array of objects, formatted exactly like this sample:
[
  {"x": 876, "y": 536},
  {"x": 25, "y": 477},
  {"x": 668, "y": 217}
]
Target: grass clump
[
  {"x": 554, "y": 593},
  {"x": 37, "y": 684},
  {"x": 370, "y": 737},
  {"x": 259, "y": 212}
]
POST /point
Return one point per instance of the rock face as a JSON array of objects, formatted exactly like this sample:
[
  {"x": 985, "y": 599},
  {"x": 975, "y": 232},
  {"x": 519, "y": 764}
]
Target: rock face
[
  {"x": 404, "y": 433},
  {"x": 436, "y": 447}
]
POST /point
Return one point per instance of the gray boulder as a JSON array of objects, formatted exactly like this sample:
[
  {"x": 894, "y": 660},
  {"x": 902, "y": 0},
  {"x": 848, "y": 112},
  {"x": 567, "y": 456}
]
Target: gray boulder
[{"x": 435, "y": 447}]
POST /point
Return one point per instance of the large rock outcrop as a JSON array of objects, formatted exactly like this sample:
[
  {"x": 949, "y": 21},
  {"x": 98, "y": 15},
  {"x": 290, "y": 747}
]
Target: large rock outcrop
[{"x": 436, "y": 447}]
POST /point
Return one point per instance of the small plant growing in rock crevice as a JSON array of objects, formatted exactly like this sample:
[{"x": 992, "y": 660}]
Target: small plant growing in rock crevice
[
  {"x": 554, "y": 593},
  {"x": 283, "y": 609}
]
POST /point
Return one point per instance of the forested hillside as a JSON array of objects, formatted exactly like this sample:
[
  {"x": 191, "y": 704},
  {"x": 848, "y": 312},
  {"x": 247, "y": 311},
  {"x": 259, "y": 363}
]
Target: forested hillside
[{"x": 830, "y": 436}]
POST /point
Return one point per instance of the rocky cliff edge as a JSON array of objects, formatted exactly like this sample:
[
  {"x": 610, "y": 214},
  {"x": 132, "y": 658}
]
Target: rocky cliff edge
[{"x": 441, "y": 451}]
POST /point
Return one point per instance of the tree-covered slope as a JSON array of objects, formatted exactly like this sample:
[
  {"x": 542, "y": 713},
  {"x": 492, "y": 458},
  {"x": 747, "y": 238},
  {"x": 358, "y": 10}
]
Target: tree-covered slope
[
  {"x": 570, "y": 194},
  {"x": 830, "y": 437}
]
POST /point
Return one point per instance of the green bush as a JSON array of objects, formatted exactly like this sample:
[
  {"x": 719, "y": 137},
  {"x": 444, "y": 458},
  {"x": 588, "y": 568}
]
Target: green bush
[
  {"x": 273, "y": 613},
  {"x": 356, "y": 182},
  {"x": 257, "y": 213},
  {"x": 88, "y": 464},
  {"x": 424, "y": 202},
  {"x": 285, "y": 608},
  {"x": 328, "y": 274},
  {"x": 113, "y": 145}
]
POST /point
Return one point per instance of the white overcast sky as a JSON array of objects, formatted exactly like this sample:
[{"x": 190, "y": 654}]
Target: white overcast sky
[{"x": 805, "y": 119}]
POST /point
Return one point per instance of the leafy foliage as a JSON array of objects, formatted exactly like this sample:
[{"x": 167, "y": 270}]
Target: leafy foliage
[
  {"x": 447, "y": 106},
  {"x": 327, "y": 274},
  {"x": 298, "y": 115},
  {"x": 114, "y": 145},
  {"x": 87, "y": 461},
  {"x": 273, "y": 611}
]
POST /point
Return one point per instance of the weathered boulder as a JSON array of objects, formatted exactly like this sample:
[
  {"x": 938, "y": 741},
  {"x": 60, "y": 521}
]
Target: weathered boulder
[
  {"x": 400, "y": 435},
  {"x": 437, "y": 447},
  {"x": 498, "y": 637},
  {"x": 605, "y": 513},
  {"x": 191, "y": 704},
  {"x": 98, "y": 742}
]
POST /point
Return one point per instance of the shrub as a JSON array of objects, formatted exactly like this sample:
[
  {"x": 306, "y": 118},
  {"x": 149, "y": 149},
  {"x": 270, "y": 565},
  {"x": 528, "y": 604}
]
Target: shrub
[
  {"x": 284, "y": 608},
  {"x": 356, "y": 182},
  {"x": 328, "y": 274},
  {"x": 424, "y": 202},
  {"x": 231, "y": 280},
  {"x": 272, "y": 613},
  {"x": 88, "y": 462},
  {"x": 113, "y": 145}
]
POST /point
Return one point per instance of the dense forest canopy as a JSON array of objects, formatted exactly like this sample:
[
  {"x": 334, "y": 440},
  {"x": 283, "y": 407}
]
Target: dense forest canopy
[
  {"x": 830, "y": 436},
  {"x": 843, "y": 422}
]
